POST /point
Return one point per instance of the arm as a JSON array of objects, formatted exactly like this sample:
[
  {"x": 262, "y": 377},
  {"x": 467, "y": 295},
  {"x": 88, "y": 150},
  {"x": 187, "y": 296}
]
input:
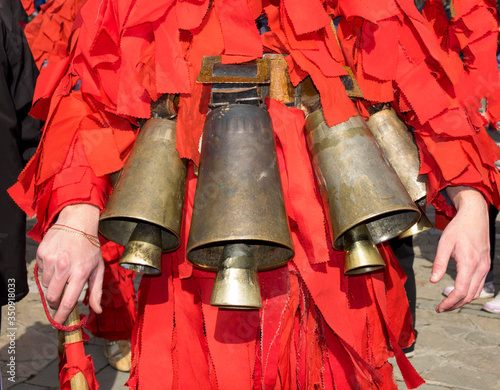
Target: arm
[
  {"x": 466, "y": 239},
  {"x": 69, "y": 260}
]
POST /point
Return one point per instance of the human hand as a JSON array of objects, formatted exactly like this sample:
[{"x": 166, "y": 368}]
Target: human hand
[
  {"x": 68, "y": 260},
  {"x": 466, "y": 239}
]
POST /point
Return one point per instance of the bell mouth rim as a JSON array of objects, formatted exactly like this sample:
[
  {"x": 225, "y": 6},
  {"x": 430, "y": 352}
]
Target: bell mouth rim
[
  {"x": 422, "y": 225},
  {"x": 130, "y": 223},
  {"x": 233, "y": 307},
  {"x": 383, "y": 112},
  {"x": 140, "y": 268},
  {"x": 338, "y": 243},
  {"x": 364, "y": 270},
  {"x": 217, "y": 247}
]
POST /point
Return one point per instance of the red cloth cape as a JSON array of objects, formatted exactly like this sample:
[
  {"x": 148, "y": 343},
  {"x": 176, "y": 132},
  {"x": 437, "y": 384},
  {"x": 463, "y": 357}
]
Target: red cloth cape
[{"x": 317, "y": 326}]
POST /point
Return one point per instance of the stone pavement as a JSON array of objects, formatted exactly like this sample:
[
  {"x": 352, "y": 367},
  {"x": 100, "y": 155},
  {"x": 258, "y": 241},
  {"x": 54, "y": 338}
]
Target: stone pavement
[{"x": 455, "y": 351}]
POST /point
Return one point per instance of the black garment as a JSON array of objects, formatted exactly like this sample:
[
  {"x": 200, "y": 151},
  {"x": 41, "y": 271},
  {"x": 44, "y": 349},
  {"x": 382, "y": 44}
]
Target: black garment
[
  {"x": 493, "y": 212},
  {"x": 19, "y": 135},
  {"x": 403, "y": 250}
]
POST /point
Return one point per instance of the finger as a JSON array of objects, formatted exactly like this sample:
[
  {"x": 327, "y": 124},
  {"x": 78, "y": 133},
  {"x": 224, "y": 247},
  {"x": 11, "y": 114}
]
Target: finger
[
  {"x": 450, "y": 303},
  {"x": 95, "y": 288},
  {"x": 441, "y": 260},
  {"x": 463, "y": 292},
  {"x": 476, "y": 286},
  {"x": 57, "y": 281},
  {"x": 478, "y": 292},
  {"x": 69, "y": 300},
  {"x": 55, "y": 291},
  {"x": 45, "y": 265},
  {"x": 39, "y": 262}
]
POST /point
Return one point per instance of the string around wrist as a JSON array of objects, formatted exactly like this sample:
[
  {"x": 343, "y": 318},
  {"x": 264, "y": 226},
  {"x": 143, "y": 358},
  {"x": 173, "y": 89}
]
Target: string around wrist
[{"x": 94, "y": 240}]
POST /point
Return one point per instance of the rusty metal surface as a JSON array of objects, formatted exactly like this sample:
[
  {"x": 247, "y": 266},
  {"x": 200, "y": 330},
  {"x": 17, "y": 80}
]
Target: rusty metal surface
[{"x": 213, "y": 71}]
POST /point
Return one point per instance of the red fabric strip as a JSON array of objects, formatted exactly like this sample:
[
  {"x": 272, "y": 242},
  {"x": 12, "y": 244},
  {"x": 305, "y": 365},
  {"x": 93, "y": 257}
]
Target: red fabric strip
[
  {"x": 190, "y": 13},
  {"x": 77, "y": 362},
  {"x": 118, "y": 298},
  {"x": 193, "y": 108},
  {"x": 231, "y": 337},
  {"x": 156, "y": 336},
  {"x": 288, "y": 124},
  {"x": 436, "y": 100},
  {"x": 276, "y": 297},
  {"x": 236, "y": 21},
  {"x": 378, "y": 40},
  {"x": 172, "y": 74},
  {"x": 306, "y": 17}
]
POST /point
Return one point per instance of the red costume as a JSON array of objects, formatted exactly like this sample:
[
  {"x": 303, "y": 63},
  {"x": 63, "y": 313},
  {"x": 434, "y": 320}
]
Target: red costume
[
  {"x": 29, "y": 6},
  {"x": 48, "y": 33},
  {"x": 48, "y": 36},
  {"x": 317, "y": 327}
]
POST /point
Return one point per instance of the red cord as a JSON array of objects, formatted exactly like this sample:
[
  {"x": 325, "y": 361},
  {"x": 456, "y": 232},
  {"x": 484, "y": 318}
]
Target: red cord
[{"x": 71, "y": 328}]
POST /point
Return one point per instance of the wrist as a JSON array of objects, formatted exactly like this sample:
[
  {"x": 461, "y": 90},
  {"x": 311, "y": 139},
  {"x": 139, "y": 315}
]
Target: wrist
[
  {"x": 464, "y": 197},
  {"x": 82, "y": 216}
]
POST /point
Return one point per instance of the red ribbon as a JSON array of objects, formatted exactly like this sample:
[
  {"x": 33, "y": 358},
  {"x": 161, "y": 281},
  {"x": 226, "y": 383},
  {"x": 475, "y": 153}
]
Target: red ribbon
[{"x": 77, "y": 361}]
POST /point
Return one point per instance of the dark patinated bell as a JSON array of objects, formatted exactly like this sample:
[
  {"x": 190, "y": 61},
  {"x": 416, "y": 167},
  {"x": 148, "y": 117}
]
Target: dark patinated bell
[
  {"x": 399, "y": 148},
  {"x": 358, "y": 187},
  {"x": 239, "y": 224},
  {"x": 144, "y": 211}
]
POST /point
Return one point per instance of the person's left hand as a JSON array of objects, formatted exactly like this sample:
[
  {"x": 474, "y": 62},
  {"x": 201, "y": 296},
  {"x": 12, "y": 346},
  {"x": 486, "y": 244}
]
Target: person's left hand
[{"x": 466, "y": 239}]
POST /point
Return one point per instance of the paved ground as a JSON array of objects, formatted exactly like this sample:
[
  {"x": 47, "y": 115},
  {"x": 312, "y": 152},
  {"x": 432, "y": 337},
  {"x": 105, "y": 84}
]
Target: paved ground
[{"x": 458, "y": 350}]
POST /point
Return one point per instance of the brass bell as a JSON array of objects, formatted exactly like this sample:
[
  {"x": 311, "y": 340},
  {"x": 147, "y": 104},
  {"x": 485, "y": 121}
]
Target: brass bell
[
  {"x": 358, "y": 187},
  {"x": 144, "y": 211},
  {"x": 239, "y": 224},
  {"x": 399, "y": 148}
]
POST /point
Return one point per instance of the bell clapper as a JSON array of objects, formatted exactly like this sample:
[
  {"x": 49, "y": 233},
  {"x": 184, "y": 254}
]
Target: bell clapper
[
  {"x": 142, "y": 254},
  {"x": 361, "y": 254},
  {"x": 236, "y": 283}
]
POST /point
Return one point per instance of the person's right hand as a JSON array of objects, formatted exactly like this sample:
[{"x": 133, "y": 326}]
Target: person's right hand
[{"x": 67, "y": 261}]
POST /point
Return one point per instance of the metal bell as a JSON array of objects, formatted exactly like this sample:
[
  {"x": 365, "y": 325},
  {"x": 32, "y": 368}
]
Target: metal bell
[
  {"x": 144, "y": 211},
  {"x": 239, "y": 224},
  {"x": 399, "y": 148},
  {"x": 358, "y": 187}
]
